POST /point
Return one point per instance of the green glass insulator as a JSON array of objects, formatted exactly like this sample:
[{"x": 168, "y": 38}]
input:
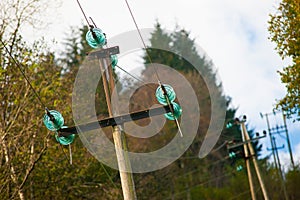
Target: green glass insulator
[
  {"x": 177, "y": 112},
  {"x": 64, "y": 140},
  {"x": 229, "y": 125},
  {"x": 114, "y": 60},
  {"x": 95, "y": 38},
  {"x": 232, "y": 155},
  {"x": 56, "y": 124},
  {"x": 239, "y": 168},
  {"x": 161, "y": 97}
]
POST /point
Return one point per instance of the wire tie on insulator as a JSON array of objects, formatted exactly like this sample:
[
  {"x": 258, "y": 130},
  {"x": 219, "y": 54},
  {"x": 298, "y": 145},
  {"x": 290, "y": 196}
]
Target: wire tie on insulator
[{"x": 52, "y": 118}]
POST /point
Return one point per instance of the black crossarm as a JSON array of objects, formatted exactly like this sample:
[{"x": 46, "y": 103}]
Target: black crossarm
[{"x": 113, "y": 121}]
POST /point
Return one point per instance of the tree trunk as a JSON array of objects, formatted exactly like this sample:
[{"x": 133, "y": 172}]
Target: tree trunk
[{"x": 12, "y": 169}]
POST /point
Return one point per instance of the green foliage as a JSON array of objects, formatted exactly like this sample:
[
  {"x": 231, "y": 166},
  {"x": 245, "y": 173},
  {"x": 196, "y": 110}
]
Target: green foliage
[
  {"x": 33, "y": 165},
  {"x": 189, "y": 177},
  {"x": 284, "y": 28},
  {"x": 23, "y": 141},
  {"x": 292, "y": 183},
  {"x": 38, "y": 167}
]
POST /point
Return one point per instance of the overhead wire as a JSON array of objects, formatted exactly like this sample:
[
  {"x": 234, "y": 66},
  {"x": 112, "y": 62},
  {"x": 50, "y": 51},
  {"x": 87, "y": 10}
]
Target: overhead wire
[
  {"x": 141, "y": 37},
  {"x": 243, "y": 193},
  {"x": 169, "y": 104},
  {"x": 85, "y": 16},
  {"x": 65, "y": 154},
  {"x": 196, "y": 157},
  {"x": 105, "y": 171},
  {"x": 93, "y": 22},
  {"x": 157, "y": 76},
  {"x": 27, "y": 80},
  {"x": 240, "y": 194},
  {"x": 282, "y": 136},
  {"x": 38, "y": 96},
  {"x": 210, "y": 165},
  {"x": 202, "y": 183},
  {"x": 108, "y": 175},
  {"x": 35, "y": 92},
  {"x": 23, "y": 74},
  {"x": 82, "y": 11},
  {"x": 133, "y": 102},
  {"x": 148, "y": 55},
  {"x": 70, "y": 158},
  {"x": 222, "y": 145},
  {"x": 134, "y": 77}
]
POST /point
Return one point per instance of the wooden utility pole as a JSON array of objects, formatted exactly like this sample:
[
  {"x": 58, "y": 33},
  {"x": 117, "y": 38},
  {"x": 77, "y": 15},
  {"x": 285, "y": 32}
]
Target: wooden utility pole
[
  {"x": 103, "y": 56},
  {"x": 278, "y": 129},
  {"x": 248, "y": 169},
  {"x": 252, "y": 153},
  {"x": 272, "y": 144},
  {"x": 126, "y": 176}
]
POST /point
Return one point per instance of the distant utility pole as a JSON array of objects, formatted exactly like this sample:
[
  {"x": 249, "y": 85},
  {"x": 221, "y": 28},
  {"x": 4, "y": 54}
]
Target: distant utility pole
[
  {"x": 270, "y": 135},
  {"x": 278, "y": 129},
  {"x": 280, "y": 174}
]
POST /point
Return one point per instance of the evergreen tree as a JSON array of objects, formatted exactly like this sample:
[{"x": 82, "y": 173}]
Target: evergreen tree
[{"x": 177, "y": 49}]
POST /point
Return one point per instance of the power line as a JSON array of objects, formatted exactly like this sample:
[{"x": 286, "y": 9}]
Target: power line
[
  {"x": 136, "y": 78},
  {"x": 218, "y": 148},
  {"x": 243, "y": 193},
  {"x": 141, "y": 37},
  {"x": 37, "y": 95},
  {"x": 86, "y": 19},
  {"x": 23, "y": 73},
  {"x": 108, "y": 175},
  {"x": 278, "y": 129},
  {"x": 202, "y": 183},
  {"x": 157, "y": 76}
]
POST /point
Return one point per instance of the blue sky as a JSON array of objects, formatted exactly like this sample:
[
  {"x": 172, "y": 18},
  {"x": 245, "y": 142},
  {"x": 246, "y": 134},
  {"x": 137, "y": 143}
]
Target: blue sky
[{"x": 233, "y": 33}]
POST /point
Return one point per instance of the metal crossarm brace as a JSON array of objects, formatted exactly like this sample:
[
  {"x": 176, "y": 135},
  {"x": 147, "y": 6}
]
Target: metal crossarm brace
[
  {"x": 104, "y": 53},
  {"x": 245, "y": 142},
  {"x": 118, "y": 120},
  {"x": 277, "y": 130}
]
